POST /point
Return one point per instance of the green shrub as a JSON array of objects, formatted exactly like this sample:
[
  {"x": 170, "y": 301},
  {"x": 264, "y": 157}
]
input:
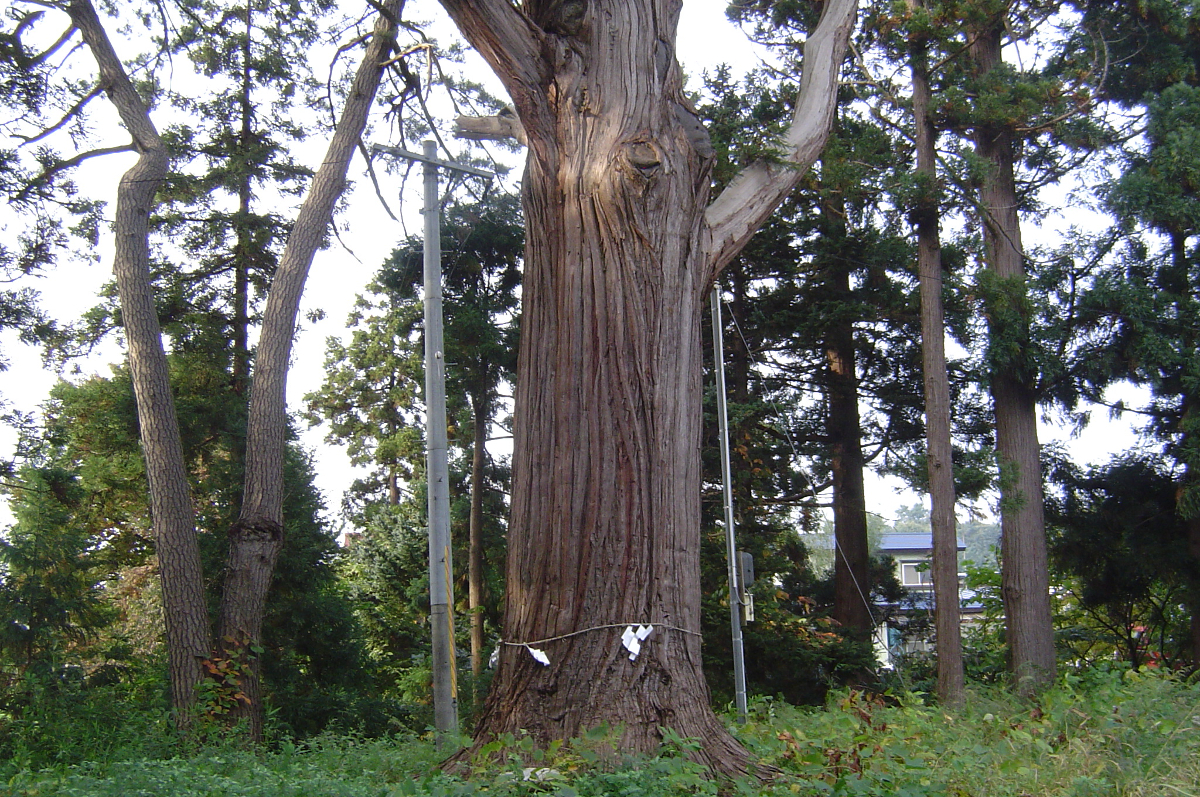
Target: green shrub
[{"x": 63, "y": 719}]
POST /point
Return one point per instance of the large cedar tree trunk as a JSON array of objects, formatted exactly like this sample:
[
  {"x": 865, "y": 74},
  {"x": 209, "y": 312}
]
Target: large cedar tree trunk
[
  {"x": 184, "y": 611},
  {"x": 939, "y": 452},
  {"x": 1024, "y": 570},
  {"x": 257, "y": 536},
  {"x": 606, "y": 514},
  {"x": 620, "y": 253}
]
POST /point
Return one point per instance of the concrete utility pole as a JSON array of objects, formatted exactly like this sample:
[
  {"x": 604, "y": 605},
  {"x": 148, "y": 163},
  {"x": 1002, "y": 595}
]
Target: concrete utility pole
[
  {"x": 735, "y": 592},
  {"x": 441, "y": 567}
]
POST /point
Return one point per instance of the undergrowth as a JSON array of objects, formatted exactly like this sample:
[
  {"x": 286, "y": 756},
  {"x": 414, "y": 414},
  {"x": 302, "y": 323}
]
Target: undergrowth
[{"x": 1103, "y": 733}]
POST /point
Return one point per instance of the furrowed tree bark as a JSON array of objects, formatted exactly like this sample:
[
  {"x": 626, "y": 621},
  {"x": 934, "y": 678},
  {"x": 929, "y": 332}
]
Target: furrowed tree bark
[
  {"x": 1024, "y": 570},
  {"x": 257, "y": 536},
  {"x": 621, "y": 252},
  {"x": 852, "y": 556},
  {"x": 173, "y": 518},
  {"x": 939, "y": 451}
]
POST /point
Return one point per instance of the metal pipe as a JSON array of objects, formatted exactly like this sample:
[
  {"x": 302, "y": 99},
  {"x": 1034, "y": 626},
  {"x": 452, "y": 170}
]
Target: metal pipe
[{"x": 735, "y": 593}]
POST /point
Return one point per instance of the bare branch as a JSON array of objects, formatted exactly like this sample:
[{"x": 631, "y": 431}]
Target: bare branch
[
  {"x": 503, "y": 126},
  {"x": 47, "y": 4},
  {"x": 71, "y": 113},
  {"x": 329, "y": 78},
  {"x": 66, "y": 165},
  {"x": 753, "y": 195},
  {"x": 374, "y": 180},
  {"x": 27, "y": 21},
  {"x": 345, "y": 246},
  {"x": 52, "y": 49},
  {"x": 400, "y": 56}
]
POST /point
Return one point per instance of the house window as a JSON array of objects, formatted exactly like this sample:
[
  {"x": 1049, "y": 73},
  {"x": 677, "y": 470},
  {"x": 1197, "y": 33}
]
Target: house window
[{"x": 915, "y": 574}]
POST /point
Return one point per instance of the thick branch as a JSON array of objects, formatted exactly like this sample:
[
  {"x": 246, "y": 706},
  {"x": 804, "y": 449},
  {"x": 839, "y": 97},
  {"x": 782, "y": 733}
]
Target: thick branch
[
  {"x": 511, "y": 44},
  {"x": 70, "y": 114},
  {"x": 753, "y": 195},
  {"x": 46, "y": 54}
]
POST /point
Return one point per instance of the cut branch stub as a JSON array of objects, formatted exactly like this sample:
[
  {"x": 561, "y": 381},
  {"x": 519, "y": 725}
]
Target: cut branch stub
[
  {"x": 501, "y": 127},
  {"x": 645, "y": 157},
  {"x": 261, "y": 529}
]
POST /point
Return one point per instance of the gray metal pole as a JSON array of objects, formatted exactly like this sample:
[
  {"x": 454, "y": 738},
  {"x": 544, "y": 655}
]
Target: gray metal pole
[
  {"x": 735, "y": 594},
  {"x": 441, "y": 568}
]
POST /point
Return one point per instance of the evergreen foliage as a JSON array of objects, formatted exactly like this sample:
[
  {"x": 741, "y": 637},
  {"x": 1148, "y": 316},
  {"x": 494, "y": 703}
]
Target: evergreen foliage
[
  {"x": 77, "y": 556},
  {"x": 49, "y": 578},
  {"x": 1106, "y": 93},
  {"x": 1121, "y": 547},
  {"x": 371, "y": 400}
]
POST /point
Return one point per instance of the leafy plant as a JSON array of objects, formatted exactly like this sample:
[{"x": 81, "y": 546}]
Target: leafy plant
[{"x": 1103, "y": 731}]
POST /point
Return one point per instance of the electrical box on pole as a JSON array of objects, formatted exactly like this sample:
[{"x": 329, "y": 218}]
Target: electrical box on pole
[{"x": 745, "y": 579}]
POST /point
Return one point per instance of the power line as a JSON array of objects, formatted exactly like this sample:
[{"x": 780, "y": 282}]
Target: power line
[{"x": 783, "y": 427}]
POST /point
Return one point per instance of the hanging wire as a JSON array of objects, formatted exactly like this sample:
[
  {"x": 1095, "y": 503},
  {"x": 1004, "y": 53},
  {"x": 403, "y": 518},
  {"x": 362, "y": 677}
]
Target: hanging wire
[{"x": 784, "y": 428}]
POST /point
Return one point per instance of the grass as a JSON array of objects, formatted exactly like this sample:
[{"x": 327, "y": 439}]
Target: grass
[{"x": 1105, "y": 733}]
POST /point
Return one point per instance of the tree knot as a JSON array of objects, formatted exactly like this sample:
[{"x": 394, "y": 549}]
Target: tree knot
[
  {"x": 257, "y": 528},
  {"x": 644, "y": 156},
  {"x": 564, "y": 17}
]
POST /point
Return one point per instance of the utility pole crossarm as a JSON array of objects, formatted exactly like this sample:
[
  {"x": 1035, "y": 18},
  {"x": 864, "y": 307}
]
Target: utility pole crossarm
[{"x": 441, "y": 164}]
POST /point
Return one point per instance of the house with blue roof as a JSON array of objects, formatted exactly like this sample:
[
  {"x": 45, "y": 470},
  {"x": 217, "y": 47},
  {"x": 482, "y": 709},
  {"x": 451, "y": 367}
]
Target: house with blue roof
[{"x": 898, "y": 635}]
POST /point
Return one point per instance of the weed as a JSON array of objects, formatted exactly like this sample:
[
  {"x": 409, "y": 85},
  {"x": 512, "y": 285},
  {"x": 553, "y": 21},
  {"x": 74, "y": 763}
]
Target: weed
[{"x": 1099, "y": 734}]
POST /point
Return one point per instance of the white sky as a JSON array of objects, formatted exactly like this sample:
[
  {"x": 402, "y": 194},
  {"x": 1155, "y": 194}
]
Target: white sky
[{"x": 706, "y": 39}]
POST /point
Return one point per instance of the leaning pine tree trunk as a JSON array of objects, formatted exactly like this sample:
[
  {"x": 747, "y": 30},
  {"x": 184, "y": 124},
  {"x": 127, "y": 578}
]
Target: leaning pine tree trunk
[
  {"x": 184, "y": 612},
  {"x": 1025, "y": 579},
  {"x": 621, "y": 252},
  {"x": 257, "y": 536},
  {"x": 939, "y": 453}
]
